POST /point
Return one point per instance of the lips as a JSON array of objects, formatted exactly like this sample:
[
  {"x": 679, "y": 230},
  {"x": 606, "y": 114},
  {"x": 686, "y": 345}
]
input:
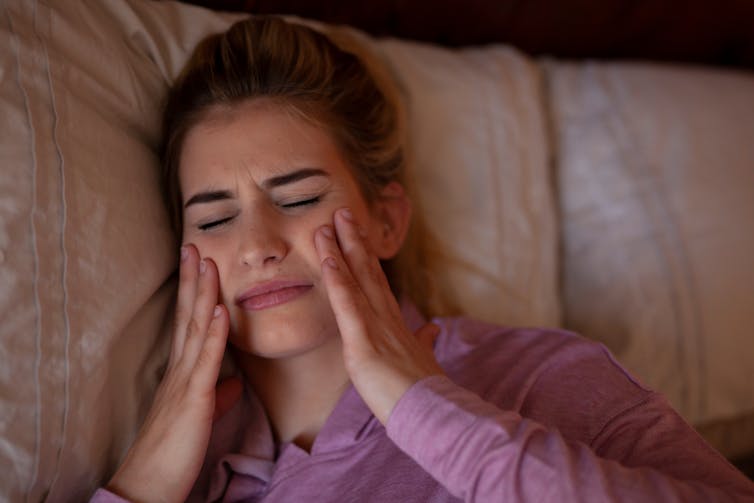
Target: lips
[{"x": 271, "y": 294}]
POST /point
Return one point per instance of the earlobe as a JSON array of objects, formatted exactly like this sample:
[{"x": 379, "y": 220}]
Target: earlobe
[{"x": 393, "y": 209}]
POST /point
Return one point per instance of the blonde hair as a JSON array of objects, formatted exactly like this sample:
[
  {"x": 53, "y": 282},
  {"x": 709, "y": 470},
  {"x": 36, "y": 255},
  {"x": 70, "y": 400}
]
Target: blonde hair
[{"x": 303, "y": 70}]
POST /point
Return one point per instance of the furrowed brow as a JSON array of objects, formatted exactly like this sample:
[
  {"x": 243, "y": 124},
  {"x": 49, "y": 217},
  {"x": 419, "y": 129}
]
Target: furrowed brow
[
  {"x": 209, "y": 197},
  {"x": 292, "y": 177}
]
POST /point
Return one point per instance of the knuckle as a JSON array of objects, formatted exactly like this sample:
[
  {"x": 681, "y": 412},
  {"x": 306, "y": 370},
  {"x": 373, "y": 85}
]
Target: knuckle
[
  {"x": 353, "y": 251},
  {"x": 350, "y": 282},
  {"x": 352, "y": 303},
  {"x": 205, "y": 358},
  {"x": 193, "y": 327},
  {"x": 349, "y": 247},
  {"x": 181, "y": 315},
  {"x": 195, "y": 386},
  {"x": 375, "y": 273}
]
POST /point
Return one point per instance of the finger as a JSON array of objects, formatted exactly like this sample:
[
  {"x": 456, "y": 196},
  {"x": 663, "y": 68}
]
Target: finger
[
  {"x": 202, "y": 313},
  {"x": 227, "y": 393},
  {"x": 364, "y": 265},
  {"x": 346, "y": 298},
  {"x": 188, "y": 275},
  {"x": 205, "y": 372}
]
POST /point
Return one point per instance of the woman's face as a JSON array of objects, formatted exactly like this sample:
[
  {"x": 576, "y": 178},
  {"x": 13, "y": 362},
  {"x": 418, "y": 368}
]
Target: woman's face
[{"x": 256, "y": 183}]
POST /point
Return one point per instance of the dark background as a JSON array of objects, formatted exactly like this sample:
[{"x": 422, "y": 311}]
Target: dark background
[{"x": 695, "y": 31}]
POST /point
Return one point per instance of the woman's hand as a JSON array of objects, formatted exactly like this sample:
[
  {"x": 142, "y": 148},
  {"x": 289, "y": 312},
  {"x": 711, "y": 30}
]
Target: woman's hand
[
  {"x": 382, "y": 357},
  {"x": 165, "y": 459}
]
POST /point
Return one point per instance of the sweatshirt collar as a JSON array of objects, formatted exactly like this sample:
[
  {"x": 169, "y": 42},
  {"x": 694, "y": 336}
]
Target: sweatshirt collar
[{"x": 242, "y": 448}]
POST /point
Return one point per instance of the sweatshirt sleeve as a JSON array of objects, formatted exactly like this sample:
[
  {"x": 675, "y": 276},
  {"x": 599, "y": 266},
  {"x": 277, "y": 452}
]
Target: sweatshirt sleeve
[
  {"x": 482, "y": 453},
  {"x": 104, "y": 496}
]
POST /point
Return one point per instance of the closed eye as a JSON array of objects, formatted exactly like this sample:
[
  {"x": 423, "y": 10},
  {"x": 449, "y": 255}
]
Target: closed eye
[
  {"x": 304, "y": 202},
  {"x": 214, "y": 223}
]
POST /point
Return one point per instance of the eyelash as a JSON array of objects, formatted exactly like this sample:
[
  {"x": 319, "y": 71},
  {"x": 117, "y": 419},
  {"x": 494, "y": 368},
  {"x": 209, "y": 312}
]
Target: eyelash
[
  {"x": 215, "y": 223},
  {"x": 305, "y": 202},
  {"x": 297, "y": 204}
]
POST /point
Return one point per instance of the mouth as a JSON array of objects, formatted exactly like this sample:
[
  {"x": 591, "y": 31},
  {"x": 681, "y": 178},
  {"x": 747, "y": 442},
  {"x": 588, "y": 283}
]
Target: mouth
[{"x": 271, "y": 294}]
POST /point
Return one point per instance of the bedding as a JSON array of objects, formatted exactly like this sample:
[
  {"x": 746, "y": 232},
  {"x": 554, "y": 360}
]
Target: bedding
[
  {"x": 85, "y": 286},
  {"x": 481, "y": 166},
  {"x": 559, "y": 193},
  {"x": 656, "y": 193}
]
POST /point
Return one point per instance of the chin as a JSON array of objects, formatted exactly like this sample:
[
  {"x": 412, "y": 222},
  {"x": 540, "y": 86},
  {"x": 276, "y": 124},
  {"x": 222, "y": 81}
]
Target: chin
[{"x": 277, "y": 339}]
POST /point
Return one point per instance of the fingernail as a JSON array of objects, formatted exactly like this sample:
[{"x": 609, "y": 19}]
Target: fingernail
[
  {"x": 202, "y": 266},
  {"x": 330, "y": 262},
  {"x": 184, "y": 253},
  {"x": 327, "y": 232},
  {"x": 217, "y": 311},
  {"x": 347, "y": 214}
]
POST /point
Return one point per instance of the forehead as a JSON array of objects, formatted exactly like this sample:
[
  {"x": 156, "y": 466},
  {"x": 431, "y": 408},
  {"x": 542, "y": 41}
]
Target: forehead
[{"x": 256, "y": 140}]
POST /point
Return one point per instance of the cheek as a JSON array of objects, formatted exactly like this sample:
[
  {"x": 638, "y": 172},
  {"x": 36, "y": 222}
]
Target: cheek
[
  {"x": 226, "y": 275},
  {"x": 302, "y": 238},
  {"x": 218, "y": 254}
]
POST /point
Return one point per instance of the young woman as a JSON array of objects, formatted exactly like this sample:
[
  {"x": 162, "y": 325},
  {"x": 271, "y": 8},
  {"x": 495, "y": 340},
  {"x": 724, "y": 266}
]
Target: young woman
[{"x": 284, "y": 171}]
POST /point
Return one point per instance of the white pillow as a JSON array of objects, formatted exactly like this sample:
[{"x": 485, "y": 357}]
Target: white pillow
[
  {"x": 87, "y": 254},
  {"x": 657, "y": 206},
  {"x": 477, "y": 128}
]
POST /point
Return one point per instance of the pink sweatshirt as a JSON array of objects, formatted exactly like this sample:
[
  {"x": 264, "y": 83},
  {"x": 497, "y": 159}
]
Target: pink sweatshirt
[{"x": 523, "y": 415}]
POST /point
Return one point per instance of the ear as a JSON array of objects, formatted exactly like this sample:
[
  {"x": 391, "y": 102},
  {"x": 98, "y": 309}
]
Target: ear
[{"x": 392, "y": 211}]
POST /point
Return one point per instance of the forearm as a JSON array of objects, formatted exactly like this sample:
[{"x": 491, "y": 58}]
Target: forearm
[{"x": 481, "y": 453}]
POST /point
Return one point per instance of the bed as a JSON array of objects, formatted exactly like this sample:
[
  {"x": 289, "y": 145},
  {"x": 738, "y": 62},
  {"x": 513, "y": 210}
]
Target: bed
[{"x": 614, "y": 197}]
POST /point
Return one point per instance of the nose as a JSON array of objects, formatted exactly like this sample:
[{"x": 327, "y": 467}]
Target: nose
[{"x": 262, "y": 244}]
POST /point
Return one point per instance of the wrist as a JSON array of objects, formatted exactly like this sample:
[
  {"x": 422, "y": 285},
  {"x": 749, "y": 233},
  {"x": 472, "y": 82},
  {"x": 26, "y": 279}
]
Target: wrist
[{"x": 140, "y": 484}]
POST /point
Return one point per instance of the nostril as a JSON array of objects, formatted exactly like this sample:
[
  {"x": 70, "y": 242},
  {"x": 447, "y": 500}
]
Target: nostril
[{"x": 272, "y": 258}]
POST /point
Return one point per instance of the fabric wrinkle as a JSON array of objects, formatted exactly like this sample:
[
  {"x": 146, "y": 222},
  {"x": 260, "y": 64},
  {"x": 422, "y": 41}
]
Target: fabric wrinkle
[
  {"x": 64, "y": 267},
  {"x": 35, "y": 253}
]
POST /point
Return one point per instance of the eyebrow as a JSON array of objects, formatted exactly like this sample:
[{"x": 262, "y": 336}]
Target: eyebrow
[
  {"x": 209, "y": 197},
  {"x": 276, "y": 181},
  {"x": 294, "y": 176}
]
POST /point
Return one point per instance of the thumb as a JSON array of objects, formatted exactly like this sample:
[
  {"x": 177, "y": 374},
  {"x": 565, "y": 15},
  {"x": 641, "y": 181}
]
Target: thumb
[
  {"x": 227, "y": 393},
  {"x": 427, "y": 334}
]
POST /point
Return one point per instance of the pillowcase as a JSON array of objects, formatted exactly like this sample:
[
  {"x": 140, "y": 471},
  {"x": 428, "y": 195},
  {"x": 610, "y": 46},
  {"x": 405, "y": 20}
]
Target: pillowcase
[
  {"x": 87, "y": 257},
  {"x": 477, "y": 130},
  {"x": 657, "y": 215},
  {"x": 87, "y": 251}
]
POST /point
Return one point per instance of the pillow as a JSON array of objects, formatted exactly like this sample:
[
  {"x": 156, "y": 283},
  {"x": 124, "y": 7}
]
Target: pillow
[
  {"x": 657, "y": 217},
  {"x": 86, "y": 270},
  {"x": 476, "y": 123},
  {"x": 86, "y": 246}
]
